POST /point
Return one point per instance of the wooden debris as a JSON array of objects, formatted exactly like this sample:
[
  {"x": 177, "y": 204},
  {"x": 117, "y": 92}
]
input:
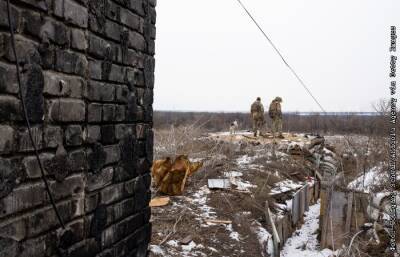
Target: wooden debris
[
  {"x": 159, "y": 201},
  {"x": 349, "y": 212},
  {"x": 170, "y": 177},
  {"x": 250, "y": 137},
  {"x": 218, "y": 221}
]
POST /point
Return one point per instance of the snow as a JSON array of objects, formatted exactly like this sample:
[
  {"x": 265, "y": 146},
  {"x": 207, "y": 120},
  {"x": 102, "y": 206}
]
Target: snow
[
  {"x": 189, "y": 247},
  {"x": 192, "y": 249},
  {"x": 258, "y": 166},
  {"x": 289, "y": 204},
  {"x": 196, "y": 159},
  {"x": 264, "y": 238},
  {"x": 281, "y": 206},
  {"x": 233, "y": 174},
  {"x": 242, "y": 185},
  {"x": 157, "y": 250},
  {"x": 382, "y": 200},
  {"x": 176, "y": 249},
  {"x": 285, "y": 186},
  {"x": 243, "y": 160},
  {"x": 372, "y": 177},
  {"x": 212, "y": 249},
  {"x": 233, "y": 234},
  {"x": 293, "y": 144},
  {"x": 200, "y": 200},
  {"x": 228, "y": 133},
  {"x": 173, "y": 243},
  {"x": 304, "y": 241}
]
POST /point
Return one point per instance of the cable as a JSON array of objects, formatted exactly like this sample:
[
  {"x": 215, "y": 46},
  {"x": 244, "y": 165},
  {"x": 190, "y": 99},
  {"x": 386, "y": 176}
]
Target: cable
[
  {"x": 27, "y": 120},
  {"x": 283, "y": 59}
]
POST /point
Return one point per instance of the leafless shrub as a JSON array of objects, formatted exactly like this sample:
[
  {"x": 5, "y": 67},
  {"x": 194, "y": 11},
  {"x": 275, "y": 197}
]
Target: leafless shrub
[
  {"x": 177, "y": 140},
  {"x": 363, "y": 243},
  {"x": 359, "y": 154}
]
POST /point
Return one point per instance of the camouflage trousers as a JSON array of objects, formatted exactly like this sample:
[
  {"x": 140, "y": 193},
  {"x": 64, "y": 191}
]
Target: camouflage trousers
[
  {"x": 257, "y": 126},
  {"x": 277, "y": 126}
]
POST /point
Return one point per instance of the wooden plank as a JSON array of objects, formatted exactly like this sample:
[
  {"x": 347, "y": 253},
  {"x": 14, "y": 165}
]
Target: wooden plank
[
  {"x": 307, "y": 198},
  {"x": 218, "y": 221},
  {"x": 279, "y": 229},
  {"x": 295, "y": 209},
  {"x": 318, "y": 175},
  {"x": 275, "y": 238},
  {"x": 349, "y": 212},
  {"x": 325, "y": 213},
  {"x": 317, "y": 188},
  {"x": 159, "y": 201},
  {"x": 267, "y": 217},
  {"x": 274, "y": 230},
  {"x": 323, "y": 202}
]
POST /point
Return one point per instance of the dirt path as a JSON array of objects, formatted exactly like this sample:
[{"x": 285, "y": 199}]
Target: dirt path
[{"x": 304, "y": 241}]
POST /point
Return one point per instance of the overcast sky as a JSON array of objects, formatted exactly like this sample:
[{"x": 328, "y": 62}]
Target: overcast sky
[{"x": 211, "y": 57}]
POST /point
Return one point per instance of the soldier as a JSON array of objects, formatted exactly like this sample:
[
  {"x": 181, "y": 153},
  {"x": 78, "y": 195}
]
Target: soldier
[
  {"x": 257, "y": 115},
  {"x": 275, "y": 113}
]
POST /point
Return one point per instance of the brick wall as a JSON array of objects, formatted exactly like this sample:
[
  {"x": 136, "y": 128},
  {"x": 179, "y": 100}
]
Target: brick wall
[{"x": 87, "y": 71}]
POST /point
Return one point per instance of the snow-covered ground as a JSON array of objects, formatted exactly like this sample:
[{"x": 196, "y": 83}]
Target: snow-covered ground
[
  {"x": 304, "y": 241},
  {"x": 285, "y": 186},
  {"x": 264, "y": 238},
  {"x": 365, "y": 183}
]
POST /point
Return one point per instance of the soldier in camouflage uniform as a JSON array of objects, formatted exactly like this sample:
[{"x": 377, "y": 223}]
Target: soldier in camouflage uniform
[
  {"x": 275, "y": 113},
  {"x": 257, "y": 116}
]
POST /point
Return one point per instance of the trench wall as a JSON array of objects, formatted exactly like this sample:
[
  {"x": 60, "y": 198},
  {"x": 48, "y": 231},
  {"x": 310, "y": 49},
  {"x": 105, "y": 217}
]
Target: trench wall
[
  {"x": 87, "y": 72},
  {"x": 283, "y": 226}
]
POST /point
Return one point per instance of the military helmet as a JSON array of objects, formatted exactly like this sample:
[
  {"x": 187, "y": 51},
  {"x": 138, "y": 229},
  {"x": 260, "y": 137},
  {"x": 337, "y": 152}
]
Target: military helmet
[
  {"x": 278, "y": 99},
  {"x": 258, "y": 98}
]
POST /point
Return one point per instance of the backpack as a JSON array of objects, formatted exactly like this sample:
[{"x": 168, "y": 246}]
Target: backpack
[
  {"x": 256, "y": 107},
  {"x": 272, "y": 110}
]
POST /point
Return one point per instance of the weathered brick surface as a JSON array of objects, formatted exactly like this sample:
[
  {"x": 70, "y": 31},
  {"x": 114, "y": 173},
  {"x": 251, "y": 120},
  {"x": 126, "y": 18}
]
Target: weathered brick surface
[
  {"x": 87, "y": 72},
  {"x": 66, "y": 110}
]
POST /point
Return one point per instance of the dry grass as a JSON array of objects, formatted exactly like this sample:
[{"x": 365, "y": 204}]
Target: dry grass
[
  {"x": 178, "y": 140},
  {"x": 219, "y": 157}
]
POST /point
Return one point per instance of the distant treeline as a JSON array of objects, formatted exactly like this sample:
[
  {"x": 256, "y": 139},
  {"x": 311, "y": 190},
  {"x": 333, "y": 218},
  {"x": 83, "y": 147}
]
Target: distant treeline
[{"x": 327, "y": 123}]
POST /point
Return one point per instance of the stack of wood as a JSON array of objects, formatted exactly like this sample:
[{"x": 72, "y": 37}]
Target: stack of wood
[{"x": 170, "y": 177}]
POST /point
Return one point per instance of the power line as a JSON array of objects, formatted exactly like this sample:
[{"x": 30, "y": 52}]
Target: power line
[
  {"x": 279, "y": 53},
  {"x": 27, "y": 120}
]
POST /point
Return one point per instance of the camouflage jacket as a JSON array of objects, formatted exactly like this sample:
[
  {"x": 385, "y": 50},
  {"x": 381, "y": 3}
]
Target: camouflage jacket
[
  {"x": 275, "y": 110},
  {"x": 257, "y": 107},
  {"x": 257, "y": 110}
]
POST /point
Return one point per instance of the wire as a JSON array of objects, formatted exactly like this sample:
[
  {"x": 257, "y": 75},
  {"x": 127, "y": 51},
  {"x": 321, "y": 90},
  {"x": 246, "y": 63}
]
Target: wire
[
  {"x": 283, "y": 59},
  {"x": 27, "y": 120}
]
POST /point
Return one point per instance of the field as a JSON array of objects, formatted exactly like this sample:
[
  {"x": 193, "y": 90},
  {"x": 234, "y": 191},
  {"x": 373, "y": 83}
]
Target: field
[{"x": 232, "y": 221}]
